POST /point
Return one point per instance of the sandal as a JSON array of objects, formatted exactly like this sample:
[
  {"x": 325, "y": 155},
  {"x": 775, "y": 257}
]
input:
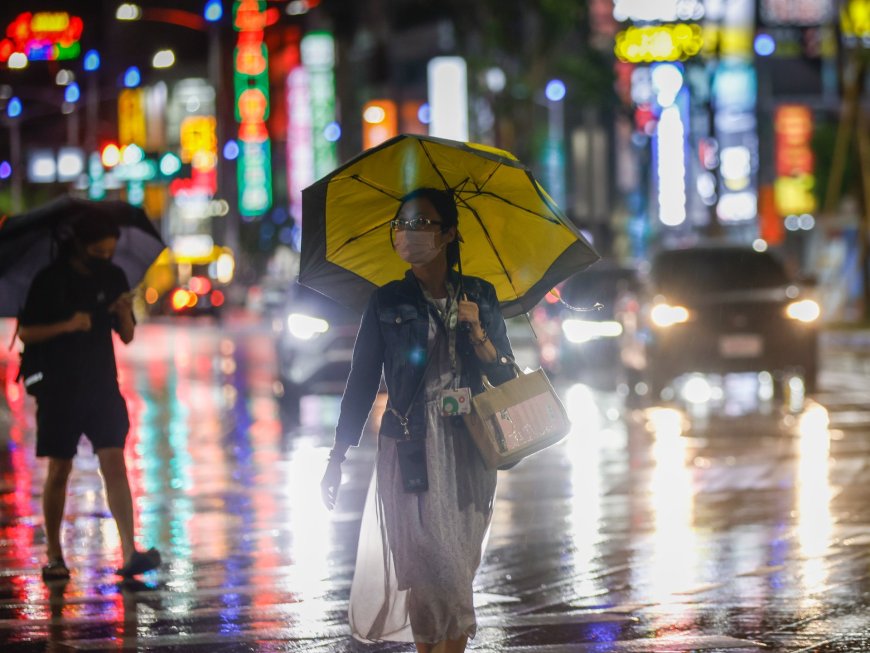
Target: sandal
[
  {"x": 56, "y": 569},
  {"x": 140, "y": 562}
]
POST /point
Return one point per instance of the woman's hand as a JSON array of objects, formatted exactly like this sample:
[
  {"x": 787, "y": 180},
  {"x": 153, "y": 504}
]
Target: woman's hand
[
  {"x": 330, "y": 483},
  {"x": 469, "y": 312}
]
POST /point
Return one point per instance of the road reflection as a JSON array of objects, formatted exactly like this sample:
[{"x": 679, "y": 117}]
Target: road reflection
[
  {"x": 669, "y": 516},
  {"x": 813, "y": 502}
]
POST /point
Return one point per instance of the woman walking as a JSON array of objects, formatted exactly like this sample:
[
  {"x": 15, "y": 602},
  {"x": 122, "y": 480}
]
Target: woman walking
[{"x": 433, "y": 334}]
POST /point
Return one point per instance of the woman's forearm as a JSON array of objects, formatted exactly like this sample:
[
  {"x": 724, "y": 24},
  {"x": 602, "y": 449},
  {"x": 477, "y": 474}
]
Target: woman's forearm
[{"x": 483, "y": 347}]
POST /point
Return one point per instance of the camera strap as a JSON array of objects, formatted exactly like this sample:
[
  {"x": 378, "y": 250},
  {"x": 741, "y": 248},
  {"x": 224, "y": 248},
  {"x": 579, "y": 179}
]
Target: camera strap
[{"x": 403, "y": 419}]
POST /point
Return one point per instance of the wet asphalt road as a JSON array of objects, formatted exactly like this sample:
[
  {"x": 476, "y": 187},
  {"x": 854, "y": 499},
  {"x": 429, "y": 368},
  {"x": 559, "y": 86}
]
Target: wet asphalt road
[{"x": 741, "y": 527}]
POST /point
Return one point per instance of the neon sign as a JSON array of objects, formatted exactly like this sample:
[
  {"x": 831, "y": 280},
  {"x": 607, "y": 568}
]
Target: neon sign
[
  {"x": 658, "y": 43},
  {"x": 318, "y": 59},
  {"x": 855, "y": 20},
  {"x": 251, "y": 83},
  {"x": 43, "y": 36},
  {"x": 795, "y": 164}
]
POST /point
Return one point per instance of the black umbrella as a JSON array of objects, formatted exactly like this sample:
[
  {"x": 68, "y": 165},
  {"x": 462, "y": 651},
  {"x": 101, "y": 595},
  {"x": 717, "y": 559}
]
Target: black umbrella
[{"x": 30, "y": 241}]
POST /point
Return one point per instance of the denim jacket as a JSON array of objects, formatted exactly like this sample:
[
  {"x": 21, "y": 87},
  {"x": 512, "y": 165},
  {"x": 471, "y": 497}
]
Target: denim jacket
[{"x": 393, "y": 337}]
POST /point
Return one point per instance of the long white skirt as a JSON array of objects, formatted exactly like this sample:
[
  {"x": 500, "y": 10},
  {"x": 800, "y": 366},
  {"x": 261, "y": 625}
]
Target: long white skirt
[{"x": 418, "y": 553}]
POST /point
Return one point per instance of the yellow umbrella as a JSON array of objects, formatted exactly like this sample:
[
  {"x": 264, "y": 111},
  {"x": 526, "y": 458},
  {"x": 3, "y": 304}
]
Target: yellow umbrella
[{"x": 514, "y": 235}]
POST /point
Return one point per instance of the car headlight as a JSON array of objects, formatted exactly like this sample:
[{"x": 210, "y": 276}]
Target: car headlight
[
  {"x": 805, "y": 310},
  {"x": 579, "y": 331},
  {"x": 306, "y": 327},
  {"x": 665, "y": 315}
]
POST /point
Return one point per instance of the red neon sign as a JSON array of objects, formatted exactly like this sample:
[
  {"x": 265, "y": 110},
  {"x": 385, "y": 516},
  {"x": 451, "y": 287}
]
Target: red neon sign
[{"x": 43, "y": 36}]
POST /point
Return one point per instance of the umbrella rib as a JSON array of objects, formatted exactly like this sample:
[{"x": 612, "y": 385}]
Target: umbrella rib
[
  {"x": 374, "y": 187},
  {"x": 514, "y": 205},
  {"x": 491, "y": 244},
  {"x": 432, "y": 163}
]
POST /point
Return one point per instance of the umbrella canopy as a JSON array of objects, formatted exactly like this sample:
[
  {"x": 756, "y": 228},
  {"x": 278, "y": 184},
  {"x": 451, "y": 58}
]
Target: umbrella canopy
[
  {"x": 514, "y": 235},
  {"x": 29, "y": 242}
]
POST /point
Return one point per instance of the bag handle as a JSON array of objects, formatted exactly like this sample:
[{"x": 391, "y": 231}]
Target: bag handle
[{"x": 487, "y": 385}]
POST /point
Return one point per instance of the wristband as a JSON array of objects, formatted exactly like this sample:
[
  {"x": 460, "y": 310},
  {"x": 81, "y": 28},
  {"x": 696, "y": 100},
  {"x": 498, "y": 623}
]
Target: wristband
[{"x": 482, "y": 340}]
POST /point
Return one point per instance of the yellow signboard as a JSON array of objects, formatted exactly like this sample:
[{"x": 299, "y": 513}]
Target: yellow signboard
[
  {"x": 131, "y": 117},
  {"x": 650, "y": 43}
]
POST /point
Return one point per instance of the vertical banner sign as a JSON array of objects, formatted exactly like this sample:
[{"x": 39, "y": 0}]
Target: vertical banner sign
[
  {"x": 131, "y": 117},
  {"x": 318, "y": 58},
  {"x": 251, "y": 84},
  {"x": 795, "y": 164},
  {"x": 300, "y": 151}
]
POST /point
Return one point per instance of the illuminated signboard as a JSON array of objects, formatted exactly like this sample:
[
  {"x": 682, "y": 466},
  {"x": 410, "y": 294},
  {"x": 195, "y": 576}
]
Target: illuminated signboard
[
  {"x": 664, "y": 11},
  {"x": 251, "y": 83},
  {"x": 447, "y": 87},
  {"x": 318, "y": 58},
  {"x": 795, "y": 165},
  {"x": 796, "y": 12},
  {"x": 855, "y": 20},
  {"x": 651, "y": 43},
  {"x": 131, "y": 117},
  {"x": 380, "y": 122},
  {"x": 300, "y": 152},
  {"x": 43, "y": 36}
]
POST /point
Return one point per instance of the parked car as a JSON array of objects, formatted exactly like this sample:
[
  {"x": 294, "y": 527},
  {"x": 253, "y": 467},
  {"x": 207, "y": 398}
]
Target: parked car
[
  {"x": 719, "y": 309},
  {"x": 577, "y": 325}
]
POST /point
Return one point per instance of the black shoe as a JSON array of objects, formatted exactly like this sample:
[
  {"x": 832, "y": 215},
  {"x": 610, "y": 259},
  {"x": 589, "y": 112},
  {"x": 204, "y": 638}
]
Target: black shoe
[
  {"x": 56, "y": 569},
  {"x": 139, "y": 563}
]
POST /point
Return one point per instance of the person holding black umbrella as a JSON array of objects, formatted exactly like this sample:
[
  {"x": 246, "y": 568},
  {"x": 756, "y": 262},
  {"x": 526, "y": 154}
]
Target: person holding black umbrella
[
  {"x": 66, "y": 325},
  {"x": 433, "y": 334}
]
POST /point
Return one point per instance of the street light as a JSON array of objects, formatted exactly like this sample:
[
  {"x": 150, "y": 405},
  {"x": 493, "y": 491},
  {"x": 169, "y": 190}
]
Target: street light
[
  {"x": 163, "y": 59},
  {"x": 554, "y": 155}
]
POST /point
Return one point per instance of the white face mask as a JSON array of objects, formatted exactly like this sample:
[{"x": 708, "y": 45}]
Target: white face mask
[{"x": 416, "y": 247}]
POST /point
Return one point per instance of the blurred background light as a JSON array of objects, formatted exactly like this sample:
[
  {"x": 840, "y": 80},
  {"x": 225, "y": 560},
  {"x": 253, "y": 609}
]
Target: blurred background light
[
  {"x": 128, "y": 11},
  {"x": 5, "y": 170},
  {"x": 132, "y": 77},
  {"x": 666, "y": 80},
  {"x": 63, "y": 77},
  {"x": 495, "y": 79},
  {"x": 17, "y": 60},
  {"x": 72, "y": 93},
  {"x": 111, "y": 155},
  {"x": 13, "y": 107},
  {"x": 231, "y": 150},
  {"x": 555, "y": 90},
  {"x": 169, "y": 164},
  {"x": 214, "y": 11},
  {"x": 332, "y": 132},
  {"x": 163, "y": 59},
  {"x": 91, "y": 60},
  {"x": 424, "y": 114},
  {"x": 765, "y": 45}
]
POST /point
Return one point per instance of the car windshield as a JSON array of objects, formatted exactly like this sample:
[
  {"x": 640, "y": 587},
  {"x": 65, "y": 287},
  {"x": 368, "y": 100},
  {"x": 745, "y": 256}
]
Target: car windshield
[{"x": 710, "y": 270}]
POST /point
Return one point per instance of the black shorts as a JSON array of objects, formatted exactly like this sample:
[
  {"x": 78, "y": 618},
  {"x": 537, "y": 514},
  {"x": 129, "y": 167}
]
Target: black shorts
[{"x": 61, "y": 420}]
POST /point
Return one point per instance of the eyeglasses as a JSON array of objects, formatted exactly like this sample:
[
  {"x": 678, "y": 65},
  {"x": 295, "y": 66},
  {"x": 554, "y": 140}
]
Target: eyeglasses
[{"x": 414, "y": 224}]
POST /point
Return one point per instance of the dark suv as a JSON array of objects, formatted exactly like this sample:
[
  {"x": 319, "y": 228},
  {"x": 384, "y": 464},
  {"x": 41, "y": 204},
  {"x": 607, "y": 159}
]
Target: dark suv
[{"x": 720, "y": 309}]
